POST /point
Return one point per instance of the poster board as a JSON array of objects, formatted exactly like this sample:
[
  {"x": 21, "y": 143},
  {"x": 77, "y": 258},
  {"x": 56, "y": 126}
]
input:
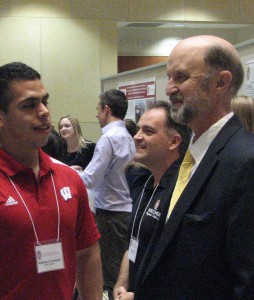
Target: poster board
[
  {"x": 249, "y": 90},
  {"x": 156, "y": 72},
  {"x": 139, "y": 94}
]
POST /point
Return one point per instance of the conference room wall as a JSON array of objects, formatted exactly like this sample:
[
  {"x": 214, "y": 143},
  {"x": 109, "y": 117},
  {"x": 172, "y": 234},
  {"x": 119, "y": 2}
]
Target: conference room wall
[{"x": 73, "y": 44}]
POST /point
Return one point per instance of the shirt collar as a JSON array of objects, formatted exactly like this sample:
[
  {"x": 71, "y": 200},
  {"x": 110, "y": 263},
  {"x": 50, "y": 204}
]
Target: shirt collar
[
  {"x": 172, "y": 169},
  {"x": 12, "y": 167},
  {"x": 119, "y": 123},
  {"x": 199, "y": 148}
]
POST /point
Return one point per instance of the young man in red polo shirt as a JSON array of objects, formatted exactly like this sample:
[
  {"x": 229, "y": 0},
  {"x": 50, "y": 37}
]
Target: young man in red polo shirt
[{"x": 48, "y": 236}]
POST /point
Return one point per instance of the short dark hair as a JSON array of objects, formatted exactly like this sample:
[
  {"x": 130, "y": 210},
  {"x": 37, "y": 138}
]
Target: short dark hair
[
  {"x": 15, "y": 71},
  {"x": 183, "y": 130},
  {"x": 116, "y": 101},
  {"x": 218, "y": 57},
  {"x": 131, "y": 126}
]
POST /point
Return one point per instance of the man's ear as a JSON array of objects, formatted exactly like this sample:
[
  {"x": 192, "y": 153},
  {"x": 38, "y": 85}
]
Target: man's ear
[
  {"x": 175, "y": 141},
  {"x": 223, "y": 81},
  {"x": 106, "y": 109}
]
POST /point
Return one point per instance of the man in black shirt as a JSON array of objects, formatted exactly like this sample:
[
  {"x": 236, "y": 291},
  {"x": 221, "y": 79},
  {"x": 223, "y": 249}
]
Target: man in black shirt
[{"x": 160, "y": 146}]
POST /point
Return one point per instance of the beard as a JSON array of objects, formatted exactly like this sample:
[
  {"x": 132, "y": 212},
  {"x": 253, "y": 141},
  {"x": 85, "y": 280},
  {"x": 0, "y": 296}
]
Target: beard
[
  {"x": 192, "y": 106},
  {"x": 184, "y": 114}
]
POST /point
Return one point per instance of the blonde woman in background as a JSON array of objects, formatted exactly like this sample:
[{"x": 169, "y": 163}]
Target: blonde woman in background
[
  {"x": 78, "y": 151},
  {"x": 243, "y": 107}
]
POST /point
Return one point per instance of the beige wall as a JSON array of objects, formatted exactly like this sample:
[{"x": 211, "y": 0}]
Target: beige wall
[
  {"x": 71, "y": 53},
  {"x": 73, "y": 43}
]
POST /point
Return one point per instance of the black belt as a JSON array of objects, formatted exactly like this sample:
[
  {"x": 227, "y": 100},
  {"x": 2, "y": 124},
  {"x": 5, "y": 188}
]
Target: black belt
[
  {"x": 104, "y": 211},
  {"x": 99, "y": 210}
]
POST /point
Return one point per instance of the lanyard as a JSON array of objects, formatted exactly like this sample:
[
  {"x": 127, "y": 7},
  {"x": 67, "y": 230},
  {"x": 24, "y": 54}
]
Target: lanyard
[
  {"x": 57, "y": 204},
  {"x": 140, "y": 200}
]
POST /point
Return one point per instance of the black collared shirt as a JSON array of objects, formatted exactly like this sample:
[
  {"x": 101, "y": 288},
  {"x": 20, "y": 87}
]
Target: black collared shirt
[{"x": 150, "y": 218}]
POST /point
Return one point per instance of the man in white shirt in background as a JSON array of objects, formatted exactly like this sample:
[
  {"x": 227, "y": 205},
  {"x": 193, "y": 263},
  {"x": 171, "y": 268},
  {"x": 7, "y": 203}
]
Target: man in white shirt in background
[{"x": 105, "y": 175}]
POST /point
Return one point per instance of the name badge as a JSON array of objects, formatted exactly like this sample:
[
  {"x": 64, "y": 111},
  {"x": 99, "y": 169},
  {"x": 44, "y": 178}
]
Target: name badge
[
  {"x": 49, "y": 256},
  {"x": 133, "y": 249}
]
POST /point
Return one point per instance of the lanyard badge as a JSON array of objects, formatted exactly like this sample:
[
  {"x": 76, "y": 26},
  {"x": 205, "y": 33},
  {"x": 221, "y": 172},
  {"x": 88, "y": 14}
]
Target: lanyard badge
[
  {"x": 49, "y": 256},
  {"x": 133, "y": 249}
]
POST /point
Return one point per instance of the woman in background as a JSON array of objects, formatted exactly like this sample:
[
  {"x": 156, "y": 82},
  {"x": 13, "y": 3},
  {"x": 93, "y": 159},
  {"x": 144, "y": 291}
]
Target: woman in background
[
  {"x": 78, "y": 151},
  {"x": 243, "y": 107}
]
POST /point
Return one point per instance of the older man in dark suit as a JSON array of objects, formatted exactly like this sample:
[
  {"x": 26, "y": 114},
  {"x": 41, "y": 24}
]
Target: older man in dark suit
[{"x": 203, "y": 246}]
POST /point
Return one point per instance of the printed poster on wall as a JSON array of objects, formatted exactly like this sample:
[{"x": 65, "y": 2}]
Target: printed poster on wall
[
  {"x": 250, "y": 79},
  {"x": 139, "y": 94}
]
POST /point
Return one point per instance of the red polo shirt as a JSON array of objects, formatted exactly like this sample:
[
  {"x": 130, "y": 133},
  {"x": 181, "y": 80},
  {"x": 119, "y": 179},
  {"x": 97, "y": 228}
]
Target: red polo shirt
[{"x": 18, "y": 272}]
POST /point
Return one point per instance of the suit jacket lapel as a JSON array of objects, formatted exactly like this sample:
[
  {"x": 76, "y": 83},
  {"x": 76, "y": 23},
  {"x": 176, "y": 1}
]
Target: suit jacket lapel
[{"x": 164, "y": 233}]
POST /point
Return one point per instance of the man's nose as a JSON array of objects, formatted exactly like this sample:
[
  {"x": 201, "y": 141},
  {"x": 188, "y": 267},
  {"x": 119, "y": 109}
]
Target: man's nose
[
  {"x": 138, "y": 136},
  {"x": 43, "y": 110},
  {"x": 171, "y": 87}
]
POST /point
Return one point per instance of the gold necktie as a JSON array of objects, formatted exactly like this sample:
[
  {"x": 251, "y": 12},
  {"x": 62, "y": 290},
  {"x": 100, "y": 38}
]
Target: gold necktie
[{"x": 182, "y": 180}]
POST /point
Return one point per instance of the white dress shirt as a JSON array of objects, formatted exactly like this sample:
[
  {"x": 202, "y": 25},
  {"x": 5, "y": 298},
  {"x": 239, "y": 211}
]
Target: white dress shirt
[
  {"x": 105, "y": 174},
  {"x": 199, "y": 148}
]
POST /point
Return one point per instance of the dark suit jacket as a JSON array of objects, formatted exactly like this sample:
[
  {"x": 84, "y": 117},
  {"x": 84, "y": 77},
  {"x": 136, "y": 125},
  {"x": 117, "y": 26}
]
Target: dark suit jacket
[{"x": 206, "y": 249}]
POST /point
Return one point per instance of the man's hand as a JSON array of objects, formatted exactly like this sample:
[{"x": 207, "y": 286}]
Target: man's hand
[
  {"x": 121, "y": 294},
  {"x": 77, "y": 168}
]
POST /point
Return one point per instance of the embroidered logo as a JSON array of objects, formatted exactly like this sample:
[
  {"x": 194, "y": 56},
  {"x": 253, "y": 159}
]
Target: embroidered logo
[
  {"x": 10, "y": 201},
  {"x": 157, "y": 204},
  {"x": 153, "y": 212},
  {"x": 66, "y": 193}
]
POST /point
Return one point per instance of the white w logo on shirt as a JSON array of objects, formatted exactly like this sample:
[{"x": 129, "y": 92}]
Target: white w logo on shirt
[{"x": 66, "y": 193}]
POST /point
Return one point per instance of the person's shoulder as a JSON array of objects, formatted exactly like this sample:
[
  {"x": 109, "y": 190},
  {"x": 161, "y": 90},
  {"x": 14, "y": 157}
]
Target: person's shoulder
[
  {"x": 137, "y": 174},
  {"x": 118, "y": 126},
  {"x": 242, "y": 139},
  {"x": 233, "y": 148},
  {"x": 119, "y": 133},
  {"x": 65, "y": 172},
  {"x": 58, "y": 165},
  {"x": 90, "y": 144}
]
